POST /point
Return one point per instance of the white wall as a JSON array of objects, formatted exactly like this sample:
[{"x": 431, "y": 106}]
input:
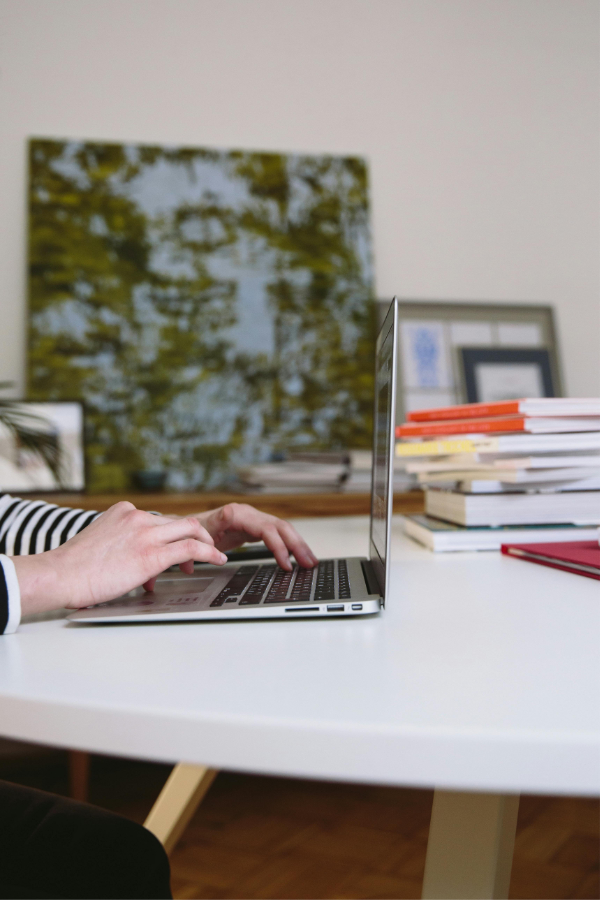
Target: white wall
[{"x": 479, "y": 119}]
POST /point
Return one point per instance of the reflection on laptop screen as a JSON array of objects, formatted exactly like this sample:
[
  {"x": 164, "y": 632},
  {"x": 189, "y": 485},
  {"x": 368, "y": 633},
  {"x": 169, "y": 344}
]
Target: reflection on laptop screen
[{"x": 382, "y": 446}]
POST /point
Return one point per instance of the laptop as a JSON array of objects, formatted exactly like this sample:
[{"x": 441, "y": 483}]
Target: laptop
[{"x": 259, "y": 589}]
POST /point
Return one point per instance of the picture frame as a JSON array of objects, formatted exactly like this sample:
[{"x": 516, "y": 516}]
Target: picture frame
[
  {"x": 433, "y": 331},
  {"x": 492, "y": 374},
  {"x": 23, "y": 470},
  {"x": 237, "y": 336}
]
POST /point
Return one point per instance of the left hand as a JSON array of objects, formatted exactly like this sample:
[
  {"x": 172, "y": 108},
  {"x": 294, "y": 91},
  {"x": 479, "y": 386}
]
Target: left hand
[{"x": 234, "y": 524}]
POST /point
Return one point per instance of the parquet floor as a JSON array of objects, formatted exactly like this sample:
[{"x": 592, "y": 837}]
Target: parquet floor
[{"x": 256, "y": 837}]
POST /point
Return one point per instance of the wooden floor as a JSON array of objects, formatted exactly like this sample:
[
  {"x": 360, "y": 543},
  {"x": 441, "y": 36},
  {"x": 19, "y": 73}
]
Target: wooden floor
[{"x": 257, "y": 837}]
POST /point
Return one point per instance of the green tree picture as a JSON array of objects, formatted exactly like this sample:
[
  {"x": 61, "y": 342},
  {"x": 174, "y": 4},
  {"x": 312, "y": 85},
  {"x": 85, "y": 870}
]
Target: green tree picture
[{"x": 210, "y": 307}]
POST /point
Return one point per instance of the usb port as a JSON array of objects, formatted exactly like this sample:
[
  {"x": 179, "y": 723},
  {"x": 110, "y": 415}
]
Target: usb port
[
  {"x": 339, "y": 608},
  {"x": 357, "y": 607}
]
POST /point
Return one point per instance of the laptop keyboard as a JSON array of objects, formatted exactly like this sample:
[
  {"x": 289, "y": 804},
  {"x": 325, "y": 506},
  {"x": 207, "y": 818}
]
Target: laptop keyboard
[{"x": 252, "y": 585}]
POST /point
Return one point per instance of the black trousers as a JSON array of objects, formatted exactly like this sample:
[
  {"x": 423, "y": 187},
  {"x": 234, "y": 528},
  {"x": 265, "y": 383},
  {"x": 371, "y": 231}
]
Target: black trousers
[{"x": 51, "y": 847}]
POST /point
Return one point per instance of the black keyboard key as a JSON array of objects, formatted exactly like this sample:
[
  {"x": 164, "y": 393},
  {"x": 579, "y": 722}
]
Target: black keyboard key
[
  {"x": 302, "y": 585},
  {"x": 343, "y": 580},
  {"x": 325, "y": 581},
  {"x": 280, "y": 586},
  {"x": 235, "y": 585},
  {"x": 261, "y": 581},
  {"x": 324, "y": 593}
]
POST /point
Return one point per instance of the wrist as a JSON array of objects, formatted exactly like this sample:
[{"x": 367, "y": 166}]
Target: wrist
[
  {"x": 204, "y": 518},
  {"x": 37, "y": 583}
]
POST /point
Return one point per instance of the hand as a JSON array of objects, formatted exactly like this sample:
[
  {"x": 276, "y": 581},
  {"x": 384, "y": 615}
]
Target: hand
[
  {"x": 121, "y": 550},
  {"x": 237, "y": 523}
]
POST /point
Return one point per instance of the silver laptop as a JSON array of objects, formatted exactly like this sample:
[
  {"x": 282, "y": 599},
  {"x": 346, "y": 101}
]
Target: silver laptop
[{"x": 262, "y": 590}]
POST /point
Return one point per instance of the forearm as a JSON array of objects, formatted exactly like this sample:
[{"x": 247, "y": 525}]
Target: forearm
[
  {"x": 32, "y": 526},
  {"x": 27, "y": 529},
  {"x": 28, "y": 584}
]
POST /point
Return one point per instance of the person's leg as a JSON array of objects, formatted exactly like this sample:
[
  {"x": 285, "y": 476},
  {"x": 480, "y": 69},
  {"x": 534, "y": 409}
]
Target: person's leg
[{"x": 51, "y": 847}]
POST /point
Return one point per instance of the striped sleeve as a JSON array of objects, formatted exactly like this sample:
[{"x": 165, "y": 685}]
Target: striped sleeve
[
  {"x": 10, "y": 597},
  {"x": 32, "y": 526}
]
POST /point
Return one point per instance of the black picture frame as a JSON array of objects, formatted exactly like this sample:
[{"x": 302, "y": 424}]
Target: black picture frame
[{"x": 471, "y": 357}]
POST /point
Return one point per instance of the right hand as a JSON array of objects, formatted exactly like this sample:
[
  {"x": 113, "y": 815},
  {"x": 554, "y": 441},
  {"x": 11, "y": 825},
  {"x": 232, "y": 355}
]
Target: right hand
[{"x": 121, "y": 550}]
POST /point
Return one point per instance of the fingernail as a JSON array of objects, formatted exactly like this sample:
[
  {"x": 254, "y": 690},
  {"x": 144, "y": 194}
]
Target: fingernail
[{"x": 223, "y": 558}]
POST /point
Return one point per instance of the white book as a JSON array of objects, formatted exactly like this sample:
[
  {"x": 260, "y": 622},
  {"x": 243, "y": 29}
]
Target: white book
[
  {"x": 538, "y": 443},
  {"x": 483, "y": 461},
  {"x": 519, "y": 508},
  {"x": 481, "y": 486},
  {"x": 291, "y": 476},
  {"x": 509, "y": 476},
  {"x": 559, "y": 406},
  {"x": 443, "y": 537},
  {"x": 510, "y": 444},
  {"x": 584, "y": 461}
]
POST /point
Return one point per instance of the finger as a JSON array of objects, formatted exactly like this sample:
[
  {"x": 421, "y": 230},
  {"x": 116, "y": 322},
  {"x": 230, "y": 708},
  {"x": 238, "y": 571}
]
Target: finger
[
  {"x": 179, "y": 529},
  {"x": 297, "y": 545},
  {"x": 187, "y": 567},
  {"x": 276, "y": 545},
  {"x": 189, "y": 549}
]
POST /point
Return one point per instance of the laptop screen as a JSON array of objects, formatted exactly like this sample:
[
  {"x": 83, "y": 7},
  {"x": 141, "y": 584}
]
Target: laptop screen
[{"x": 383, "y": 446}]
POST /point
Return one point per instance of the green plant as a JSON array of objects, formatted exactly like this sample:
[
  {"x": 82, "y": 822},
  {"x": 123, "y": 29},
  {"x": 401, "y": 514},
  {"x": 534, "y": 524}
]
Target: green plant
[{"x": 30, "y": 432}]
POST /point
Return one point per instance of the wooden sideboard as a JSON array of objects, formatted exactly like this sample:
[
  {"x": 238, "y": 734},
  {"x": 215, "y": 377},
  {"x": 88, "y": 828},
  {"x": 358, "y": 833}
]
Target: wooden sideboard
[{"x": 287, "y": 506}]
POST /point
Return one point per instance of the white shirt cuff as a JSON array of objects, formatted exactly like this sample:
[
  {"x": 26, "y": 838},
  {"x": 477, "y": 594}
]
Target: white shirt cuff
[{"x": 14, "y": 594}]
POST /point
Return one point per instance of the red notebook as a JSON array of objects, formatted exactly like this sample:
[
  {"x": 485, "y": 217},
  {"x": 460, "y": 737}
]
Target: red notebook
[{"x": 579, "y": 557}]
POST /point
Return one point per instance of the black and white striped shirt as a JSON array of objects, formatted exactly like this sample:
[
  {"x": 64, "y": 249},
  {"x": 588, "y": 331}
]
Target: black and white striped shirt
[{"x": 30, "y": 526}]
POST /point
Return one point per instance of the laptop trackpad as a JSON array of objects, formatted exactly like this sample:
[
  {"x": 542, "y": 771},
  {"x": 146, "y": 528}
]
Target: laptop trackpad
[{"x": 173, "y": 592}]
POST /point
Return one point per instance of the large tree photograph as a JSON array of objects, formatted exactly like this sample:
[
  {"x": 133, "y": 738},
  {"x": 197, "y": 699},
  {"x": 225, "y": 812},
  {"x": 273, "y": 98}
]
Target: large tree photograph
[{"x": 211, "y": 308}]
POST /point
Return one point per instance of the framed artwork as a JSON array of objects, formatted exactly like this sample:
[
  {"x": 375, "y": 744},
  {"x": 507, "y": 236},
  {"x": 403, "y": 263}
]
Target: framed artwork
[
  {"x": 496, "y": 373},
  {"x": 433, "y": 333},
  {"x": 41, "y": 446},
  {"x": 212, "y": 308}
]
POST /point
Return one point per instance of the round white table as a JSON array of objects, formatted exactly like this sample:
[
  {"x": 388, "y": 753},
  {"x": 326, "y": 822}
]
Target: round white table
[{"x": 480, "y": 678}]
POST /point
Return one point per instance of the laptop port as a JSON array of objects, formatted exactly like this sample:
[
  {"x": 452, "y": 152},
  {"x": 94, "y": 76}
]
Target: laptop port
[
  {"x": 339, "y": 608},
  {"x": 356, "y": 607},
  {"x": 302, "y": 609}
]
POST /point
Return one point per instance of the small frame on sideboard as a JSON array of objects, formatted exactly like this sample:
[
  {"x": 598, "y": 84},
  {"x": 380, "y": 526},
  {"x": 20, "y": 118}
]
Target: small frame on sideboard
[
  {"x": 22, "y": 469},
  {"x": 492, "y": 374},
  {"x": 432, "y": 333}
]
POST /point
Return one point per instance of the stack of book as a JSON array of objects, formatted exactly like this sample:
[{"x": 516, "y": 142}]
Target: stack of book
[
  {"x": 504, "y": 472},
  {"x": 298, "y": 473},
  {"x": 359, "y": 478},
  {"x": 301, "y": 473}
]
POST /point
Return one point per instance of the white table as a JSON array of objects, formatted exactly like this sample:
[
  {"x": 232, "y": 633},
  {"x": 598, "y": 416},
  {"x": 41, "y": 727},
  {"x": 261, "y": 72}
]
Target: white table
[{"x": 481, "y": 679}]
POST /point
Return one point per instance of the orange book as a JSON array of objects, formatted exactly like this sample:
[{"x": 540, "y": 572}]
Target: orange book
[
  {"x": 498, "y": 424},
  {"x": 540, "y": 406}
]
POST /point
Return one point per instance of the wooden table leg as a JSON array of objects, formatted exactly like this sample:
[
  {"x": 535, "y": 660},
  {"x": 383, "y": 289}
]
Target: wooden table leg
[
  {"x": 178, "y": 801},
  {"x": 470, "y": 848},
  {"x": 79, "y": 775}
]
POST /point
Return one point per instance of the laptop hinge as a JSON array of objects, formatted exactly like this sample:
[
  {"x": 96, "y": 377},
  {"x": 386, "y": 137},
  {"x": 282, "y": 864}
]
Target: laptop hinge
[{"x": 369, "y": 576}]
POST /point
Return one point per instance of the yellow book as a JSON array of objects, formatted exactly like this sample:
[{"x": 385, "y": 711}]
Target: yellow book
[{"x": 437, "y": 448}]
